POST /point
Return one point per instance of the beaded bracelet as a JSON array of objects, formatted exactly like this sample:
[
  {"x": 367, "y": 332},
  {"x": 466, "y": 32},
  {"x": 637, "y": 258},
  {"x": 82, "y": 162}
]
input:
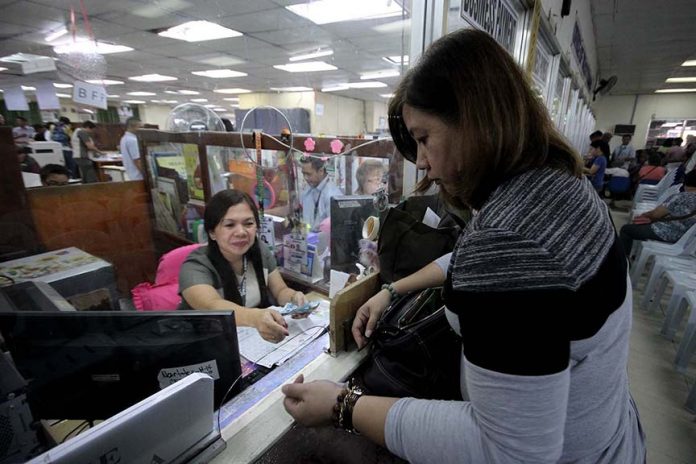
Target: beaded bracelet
[
  {"x": 343, "y": 409},
  {"x": 392, "y": 291}
]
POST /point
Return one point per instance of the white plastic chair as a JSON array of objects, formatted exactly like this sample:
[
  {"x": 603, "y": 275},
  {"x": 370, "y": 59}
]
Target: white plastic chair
[
  {"x": 650, "y": 249},
  {"x": 47, "y": 153},
  {"x": 645, "y": 206},
  {"x": 682, "y": 282},
  {"x": 646, "y": 192},
  {"x": 662, "y": 264},
  {"x": 687, "y": 346}
]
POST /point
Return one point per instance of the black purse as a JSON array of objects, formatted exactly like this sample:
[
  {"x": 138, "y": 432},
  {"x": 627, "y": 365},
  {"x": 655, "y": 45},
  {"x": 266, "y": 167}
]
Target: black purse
[{"x": 415, "y": 353}]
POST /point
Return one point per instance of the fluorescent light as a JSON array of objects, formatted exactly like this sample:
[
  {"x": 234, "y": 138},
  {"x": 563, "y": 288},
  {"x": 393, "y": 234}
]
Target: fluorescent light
[
  {"x": 26, "y": 87},
  {"x": 199, "y": 31},
  {"x": 21, "y": 58},
  {"x": 182, "y": 92},
  {"x": 210, "y": 105},
  {"x": 90, "y": 46},
  {"x": 85, "y": 110},
  {"x": 675, "y": 90},
  {"x": 309, "y": 56},
  {"x": 307, "y": 66},
  {"x": 3, "y": 69},
  {"x": 232, "y": 99},
  {"x": 54, "y": 35},
  {"x": 681, "y": 79},
  {"x": 393, "y": 26},
  {"x": 333, "y": 11},
  {"x": 134, "y": 102},
  {"x": 670, "y": 124},
  {"x": 219, "y": 73},
  {"x": 104, "y": 82},
  {"x": 232, "y": 90},
  {"x": 396, "y": 59},
  {"x": 366, "y": 85},
  {"x": 335, "y": 88},
  {"x": 62, "y": 86},
  {"x": 164, "y": 101},
  {"x": 219, "y": 109},
  {"x": 290, "y": 89},
  {"x": 199, "y": 100},
  {"x": 63, "y": 95},
  {"x": 689, "y": 63},
  {"x": 235, "y": 105},
  {"x": 141, "y": 94},
  {"x": 152, "y": 78},
  {"x": 215, "y": 59},
  {"x": 386, "y": 95},
  {"x": 380, "y": 74},
  {"x": 113, "y": 96}
]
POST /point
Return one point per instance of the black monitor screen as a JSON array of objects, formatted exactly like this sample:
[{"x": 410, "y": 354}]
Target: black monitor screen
[
  {"x": 92, "y": 365},
  {"x": 348, "y": 214}
]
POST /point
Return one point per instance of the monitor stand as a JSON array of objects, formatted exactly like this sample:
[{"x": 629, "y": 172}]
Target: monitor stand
[{"x": 176, "y": 425}]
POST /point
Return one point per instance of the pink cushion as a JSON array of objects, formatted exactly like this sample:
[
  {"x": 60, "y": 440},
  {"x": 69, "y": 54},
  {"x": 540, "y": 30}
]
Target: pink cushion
[
  {"x": 163, "y": 295},
  {"x": 170, "y": 264},
  {"x": 148, "y": 297}
]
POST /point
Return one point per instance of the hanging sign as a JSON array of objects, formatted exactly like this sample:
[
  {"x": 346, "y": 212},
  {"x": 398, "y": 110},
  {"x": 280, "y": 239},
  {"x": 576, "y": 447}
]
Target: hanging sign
[{"x": 90, "y": 94}]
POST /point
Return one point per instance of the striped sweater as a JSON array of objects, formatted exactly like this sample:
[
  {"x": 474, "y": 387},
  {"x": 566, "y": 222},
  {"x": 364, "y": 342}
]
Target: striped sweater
[{"x": 538, "y": 289}]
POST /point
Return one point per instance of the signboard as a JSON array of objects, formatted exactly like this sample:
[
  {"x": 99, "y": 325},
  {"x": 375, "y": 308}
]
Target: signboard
[
  {"x": 15, "y": 100},
  {"x": 495, "y": 17},
  {"x": 90, "y": 94},
  {"x": 46, "y": 96},
  {"x": 580, "y": 56}
]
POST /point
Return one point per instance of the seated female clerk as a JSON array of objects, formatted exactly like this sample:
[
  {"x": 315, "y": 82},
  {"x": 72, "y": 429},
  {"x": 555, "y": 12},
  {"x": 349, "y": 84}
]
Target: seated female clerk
[{"x": 235, "y": 270}]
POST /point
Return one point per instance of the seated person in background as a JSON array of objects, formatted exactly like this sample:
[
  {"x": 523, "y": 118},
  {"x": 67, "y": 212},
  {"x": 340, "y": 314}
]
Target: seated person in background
[
  {"x": 22, "y": 133},
  {"x": 665, "y": 147},
  {"x": 676, "y": 154},
  {"x": 667, "y": 222},
  {"x": 316, "y": 197},
  {"x": 235, "y": 271},
  {"x": 26, "y": 162},
  {"x": 370, "y": 177},
  {"x": 54, "y": 175},
  {"x": 40, "y": 135},
  {"x": 652, "y": 172},
  {"x": 599, "y": 153}
]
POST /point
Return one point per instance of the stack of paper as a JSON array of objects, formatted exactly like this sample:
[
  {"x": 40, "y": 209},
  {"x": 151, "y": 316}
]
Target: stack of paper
[{"x": 302, "y": 332}]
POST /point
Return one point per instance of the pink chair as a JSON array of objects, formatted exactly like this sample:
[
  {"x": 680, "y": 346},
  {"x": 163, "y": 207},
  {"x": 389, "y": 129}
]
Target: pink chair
[{"x": 163, "y": 295}]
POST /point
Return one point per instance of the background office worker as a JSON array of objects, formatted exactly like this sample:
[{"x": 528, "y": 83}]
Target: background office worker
[
  {"x": 235, "y": 270},
  {"x": 316, "y": 197},
  {"x": 131, "y": 151}
]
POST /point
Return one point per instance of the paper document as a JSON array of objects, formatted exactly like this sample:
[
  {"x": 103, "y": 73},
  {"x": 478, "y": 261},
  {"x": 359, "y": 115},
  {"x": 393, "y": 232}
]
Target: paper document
[
  {"x": 302, "y": 332},
  {"x": 431, "y": 218}
]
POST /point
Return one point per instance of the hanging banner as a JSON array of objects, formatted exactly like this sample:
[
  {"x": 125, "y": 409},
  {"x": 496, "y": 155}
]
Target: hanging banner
[
  {"x": 15, "y": 100},
  {"x": 90, "y": 94},
  {"x": 46, "y": 96}
]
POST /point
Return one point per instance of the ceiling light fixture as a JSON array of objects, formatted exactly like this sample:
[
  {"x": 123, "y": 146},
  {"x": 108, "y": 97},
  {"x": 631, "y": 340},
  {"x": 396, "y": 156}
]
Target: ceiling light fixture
[
  {"x": 134, "y": 102},
  {"x": 333, "y": 11},
  {"x": 21, "y": 58},
  {"x": 199, "y": 100},
  {"x": 3, "y": 69},
  {"x": 104, "y": 82},
  {"x": 689, "y": 63},
  {"x": 675, "y": 90},
  {"x": 182, "y": 92},
  {"x": 682, "y": 80},
  {"x": 90, "y": 46},
  {"x": 25, "y": 87},
  {"x": 386, "y": 95},
  {"x": 366, "y": 85},
  {"x": 380, "y": 74},
  {"x": 335, "y": 88},
  {"x": 62, "y": 86},
  {"x": 309, "y": 56},
  {"x": 219, "y": 73},
  {"x": 141, "y": 94},
  {"x": 199, "y": 31},
  {"x": 113, "y": 96},
  {"x": 232, "y": 99},
  {"x": 232, "y": 91},
  {"x": 219, "y": 109},
  {"x": 306, "y": 66},
  {"x": 152, "y": 78},
  {"x": 290, "y": 89},
  {"x": 54, "y": 35},
  {"x": 63, "y": 95}
]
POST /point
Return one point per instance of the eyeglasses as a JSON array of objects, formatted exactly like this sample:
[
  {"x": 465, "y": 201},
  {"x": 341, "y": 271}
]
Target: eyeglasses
[{"x": 55, "y": 183}]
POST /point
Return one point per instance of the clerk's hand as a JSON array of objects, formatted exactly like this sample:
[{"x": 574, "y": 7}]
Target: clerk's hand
[
  {"x": 271, "y": 325},
  {"x": 311, "y": 404},
  {"x": 367, "y": 316},
  {"x": 298, "y": 298}
]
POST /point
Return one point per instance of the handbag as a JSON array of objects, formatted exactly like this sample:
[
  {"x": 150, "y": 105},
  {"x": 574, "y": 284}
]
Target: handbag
[{"x": 415, "y": 352}]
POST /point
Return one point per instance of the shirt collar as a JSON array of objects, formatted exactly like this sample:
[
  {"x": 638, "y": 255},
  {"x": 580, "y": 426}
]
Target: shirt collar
[{"x": 321, "y": 185}]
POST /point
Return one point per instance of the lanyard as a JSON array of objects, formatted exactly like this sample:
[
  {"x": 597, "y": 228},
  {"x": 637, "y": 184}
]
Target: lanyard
[
  {"x": 316, "y": 204},
  {"x": 242, "y": 284}
]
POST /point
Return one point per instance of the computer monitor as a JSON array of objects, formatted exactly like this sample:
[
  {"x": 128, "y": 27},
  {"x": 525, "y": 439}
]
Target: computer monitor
[
  {"x": 92, "y": 365},
  {"x": 348, "y": 213}
]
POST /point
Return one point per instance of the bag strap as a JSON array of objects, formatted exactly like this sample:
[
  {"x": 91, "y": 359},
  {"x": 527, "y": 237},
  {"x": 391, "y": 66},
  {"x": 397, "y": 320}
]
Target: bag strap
[{"x": 643, "y": 176}]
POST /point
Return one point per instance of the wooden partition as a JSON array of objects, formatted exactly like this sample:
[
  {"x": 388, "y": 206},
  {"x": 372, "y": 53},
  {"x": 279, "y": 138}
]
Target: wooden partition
[{"x": 108, "y": 220}]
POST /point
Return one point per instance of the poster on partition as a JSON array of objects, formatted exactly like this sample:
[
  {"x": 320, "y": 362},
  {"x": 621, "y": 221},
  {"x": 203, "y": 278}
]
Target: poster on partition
[{"x": 194, "y": 177}]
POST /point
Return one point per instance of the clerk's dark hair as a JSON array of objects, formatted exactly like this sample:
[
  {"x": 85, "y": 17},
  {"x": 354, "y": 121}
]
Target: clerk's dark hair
[
  {"x": 470, "y": 82},
  {"x": 215, "y": 211}
]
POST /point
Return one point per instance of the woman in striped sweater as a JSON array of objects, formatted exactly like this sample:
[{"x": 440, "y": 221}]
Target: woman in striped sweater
[{"x": 543, "y": 356}]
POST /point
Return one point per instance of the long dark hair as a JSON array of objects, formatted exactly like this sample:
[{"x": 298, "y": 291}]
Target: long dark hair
[
  {"x": 215, "y": 211},
  {"x": 469, "y": 81}
]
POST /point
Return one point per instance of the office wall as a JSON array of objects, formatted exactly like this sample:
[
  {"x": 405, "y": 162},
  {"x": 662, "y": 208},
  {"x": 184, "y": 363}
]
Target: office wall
[
  {"x": 155, "y": 114},
  {"x": 340, "y": 116},
  {"x": 376, "y": 116},
  {"x": 279, "y": 100},
  {"x": 612, "y": 110}
]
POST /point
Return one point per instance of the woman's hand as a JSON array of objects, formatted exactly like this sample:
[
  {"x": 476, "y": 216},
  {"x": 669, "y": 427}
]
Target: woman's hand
[
  {"x": 271, "y": 325},
  {"x": 298, "y": 298},
  {"x": 311, "y": 404},
  {"x": 367, "y": 316}
]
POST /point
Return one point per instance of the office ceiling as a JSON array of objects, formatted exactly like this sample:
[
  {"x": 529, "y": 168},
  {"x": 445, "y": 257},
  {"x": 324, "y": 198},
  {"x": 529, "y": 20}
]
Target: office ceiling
[
  {"x": 644, "y": 42},
  {"x": 271, "y": 35}
]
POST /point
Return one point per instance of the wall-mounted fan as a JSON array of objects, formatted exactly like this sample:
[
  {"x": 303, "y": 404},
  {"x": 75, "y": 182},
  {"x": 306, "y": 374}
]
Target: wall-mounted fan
[
  {"x": 604, "y": 86},
  {"x": 191, "y": 117}
]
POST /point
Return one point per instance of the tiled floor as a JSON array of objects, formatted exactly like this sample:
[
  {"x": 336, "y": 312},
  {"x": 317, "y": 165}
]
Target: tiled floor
[{"x": 658, "y": 389}]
